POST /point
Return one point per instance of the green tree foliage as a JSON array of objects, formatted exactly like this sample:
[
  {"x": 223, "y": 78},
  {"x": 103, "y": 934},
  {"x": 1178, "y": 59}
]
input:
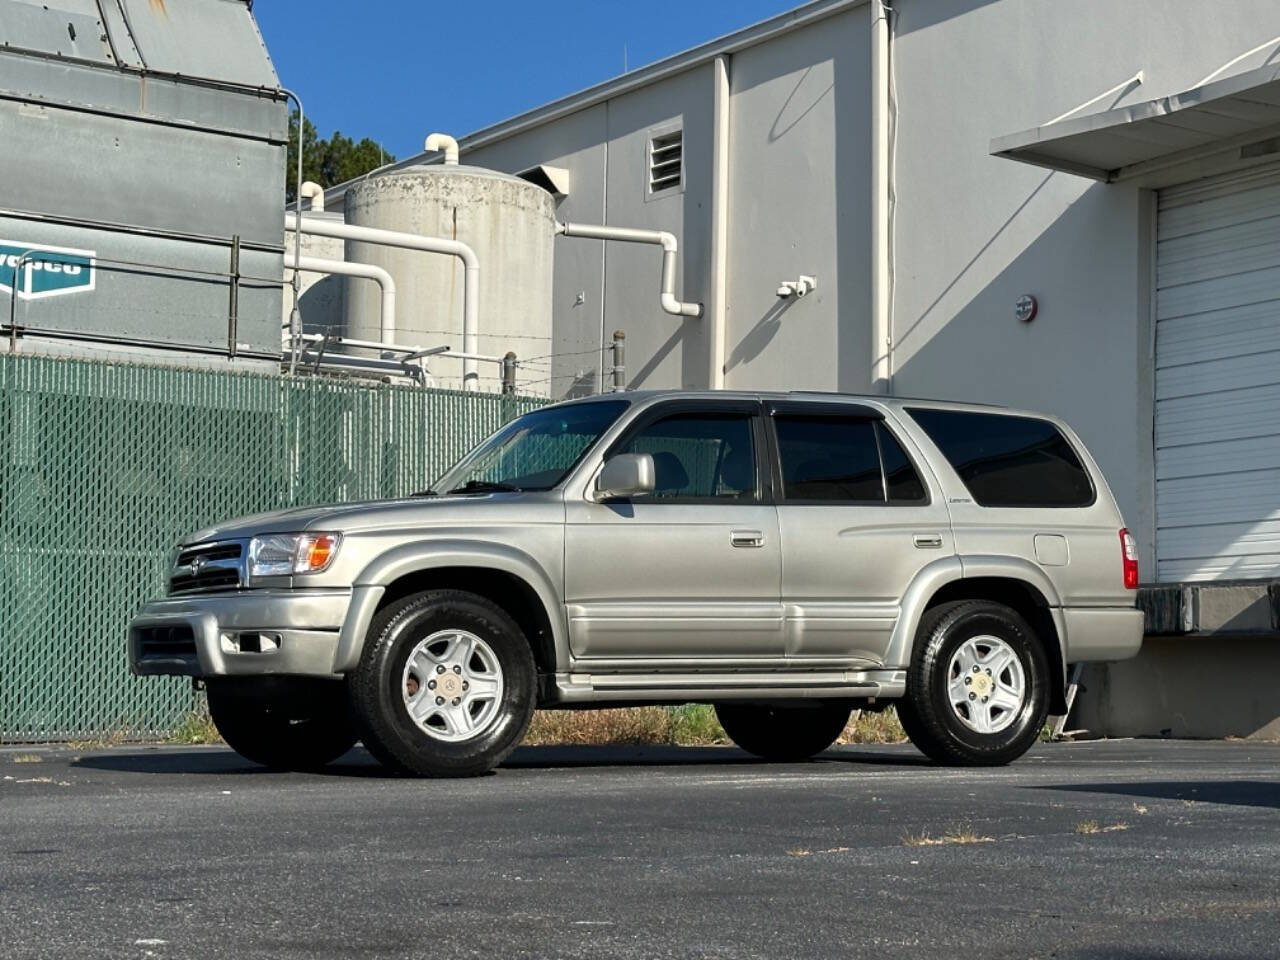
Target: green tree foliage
[{"x": 331, "y": 161}]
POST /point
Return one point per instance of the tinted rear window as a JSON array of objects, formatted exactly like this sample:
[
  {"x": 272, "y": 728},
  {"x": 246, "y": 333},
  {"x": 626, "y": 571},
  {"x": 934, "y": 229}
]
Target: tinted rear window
[
  {"x": 843, "y": 460},
  {"x": 1009, "y": 461}
]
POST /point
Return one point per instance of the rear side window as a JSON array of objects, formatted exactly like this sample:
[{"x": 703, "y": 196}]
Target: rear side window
[
  {"x": 1009, "y": 461},
  {"x": 844, "y": 460}
]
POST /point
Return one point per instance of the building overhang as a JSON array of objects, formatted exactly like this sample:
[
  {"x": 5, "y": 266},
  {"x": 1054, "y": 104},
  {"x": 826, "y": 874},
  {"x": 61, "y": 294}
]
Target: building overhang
[{"x": 1225, "y": 125}]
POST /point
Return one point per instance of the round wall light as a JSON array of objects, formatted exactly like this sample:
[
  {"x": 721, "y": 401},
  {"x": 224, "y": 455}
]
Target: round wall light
[{"x": 1025, "y": 307}]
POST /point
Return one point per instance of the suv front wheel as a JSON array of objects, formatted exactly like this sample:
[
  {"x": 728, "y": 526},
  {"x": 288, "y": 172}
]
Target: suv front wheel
[
  {"x": 446, "y": 685},
  {"x": 977, "y": 688}
]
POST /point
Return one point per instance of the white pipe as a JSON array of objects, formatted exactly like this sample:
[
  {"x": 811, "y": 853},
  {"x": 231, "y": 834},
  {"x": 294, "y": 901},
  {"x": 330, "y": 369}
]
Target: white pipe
[
  {"x": 880, "y": 321},
  {"x": 718, "y": 299},
  {"x": 631, "y": 235},
  {"x": 368, "y": 271},
  {"x": 310, "y": 190},
  {"x": 413, "y": 241},
  {"x": 442, "y": 141}
]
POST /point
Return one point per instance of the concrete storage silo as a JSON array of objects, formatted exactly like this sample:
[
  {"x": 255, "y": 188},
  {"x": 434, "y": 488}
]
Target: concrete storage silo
[
  {"x": 509, "y": 222},
  {"x": 322, "y": 295}
]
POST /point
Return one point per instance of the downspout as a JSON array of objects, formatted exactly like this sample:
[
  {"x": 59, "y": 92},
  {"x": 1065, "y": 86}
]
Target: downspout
[
  {"x": 881, "y": 332},
  {"x": 367, "y": 271},
  {"x": 414, "y": 241},
  {"x": 717, "y": 306},
  {"x": 662, "y": 238}
]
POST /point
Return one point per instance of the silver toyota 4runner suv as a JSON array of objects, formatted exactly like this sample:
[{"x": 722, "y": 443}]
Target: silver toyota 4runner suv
[{"x": 785, "y": 557}]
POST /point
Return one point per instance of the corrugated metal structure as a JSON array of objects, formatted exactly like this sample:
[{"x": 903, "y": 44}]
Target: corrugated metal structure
[
  {"x": 105, "y": 466},
  {"x": 141, "y": 133},
  {"x": 1218, "y": 379}
]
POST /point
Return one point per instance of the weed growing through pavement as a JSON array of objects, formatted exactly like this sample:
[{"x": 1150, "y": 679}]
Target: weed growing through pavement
[{"x": 954, "y": 836}]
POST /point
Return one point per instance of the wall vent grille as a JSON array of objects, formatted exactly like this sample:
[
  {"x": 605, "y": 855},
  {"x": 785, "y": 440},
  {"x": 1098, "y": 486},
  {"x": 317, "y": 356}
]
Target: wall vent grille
[{"x": 666, "y": 161}]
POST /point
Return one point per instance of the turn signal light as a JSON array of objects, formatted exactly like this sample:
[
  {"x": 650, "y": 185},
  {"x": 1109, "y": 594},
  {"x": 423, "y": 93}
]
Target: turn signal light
[{"x": 315, "y": 551}]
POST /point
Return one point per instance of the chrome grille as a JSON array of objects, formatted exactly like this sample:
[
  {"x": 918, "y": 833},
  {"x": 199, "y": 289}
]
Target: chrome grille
[{"x": 208, "y": 566}]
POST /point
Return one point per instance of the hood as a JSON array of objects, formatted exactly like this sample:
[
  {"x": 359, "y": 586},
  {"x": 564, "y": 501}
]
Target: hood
[{"x": 371, "y": 514}]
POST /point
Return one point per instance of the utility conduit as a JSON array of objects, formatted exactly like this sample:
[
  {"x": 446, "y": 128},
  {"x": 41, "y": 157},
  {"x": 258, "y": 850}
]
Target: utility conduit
[
  {"x": 368, "y": 271},
  {"x": 414, "y": 241},
  {"x": 656, "y": 237}
]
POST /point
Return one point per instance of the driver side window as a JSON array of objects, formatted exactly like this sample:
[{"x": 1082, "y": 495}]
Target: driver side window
[{"x": 699, "y": 456}]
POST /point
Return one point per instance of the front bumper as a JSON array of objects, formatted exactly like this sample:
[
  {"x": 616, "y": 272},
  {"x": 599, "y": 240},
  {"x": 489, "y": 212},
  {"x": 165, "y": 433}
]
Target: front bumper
[{"x": 249, "y": 633}]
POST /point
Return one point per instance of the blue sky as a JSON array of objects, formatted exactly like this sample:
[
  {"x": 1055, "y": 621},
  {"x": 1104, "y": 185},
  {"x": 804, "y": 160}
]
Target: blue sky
[{"x": 394, "y": 70}]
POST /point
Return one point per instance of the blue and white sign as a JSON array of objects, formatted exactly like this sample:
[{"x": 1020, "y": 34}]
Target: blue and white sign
[{"x": 45, "y": 271}]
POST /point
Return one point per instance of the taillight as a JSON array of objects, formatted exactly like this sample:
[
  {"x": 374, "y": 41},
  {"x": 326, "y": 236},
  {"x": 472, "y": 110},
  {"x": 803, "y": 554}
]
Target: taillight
[{"x": 1129, "y": 557}]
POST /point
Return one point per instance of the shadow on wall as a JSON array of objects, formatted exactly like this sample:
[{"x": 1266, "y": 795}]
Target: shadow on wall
[
  {"x": 759, "y": 336},
  {"x": 321, "y": 306}
]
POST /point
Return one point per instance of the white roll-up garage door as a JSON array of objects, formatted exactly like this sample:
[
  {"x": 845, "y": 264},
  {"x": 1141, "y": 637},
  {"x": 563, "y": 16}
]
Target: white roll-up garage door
[{"x": 1218, "y": 378}]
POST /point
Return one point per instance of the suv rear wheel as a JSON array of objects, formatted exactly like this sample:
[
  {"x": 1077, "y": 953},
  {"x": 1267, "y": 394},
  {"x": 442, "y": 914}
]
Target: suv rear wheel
[
  {"x": 446, "y": 685},
  {"x": 301, "y": 726},
  {"x": 977, "y": 688},
  {"x": 782, "y": 733}
]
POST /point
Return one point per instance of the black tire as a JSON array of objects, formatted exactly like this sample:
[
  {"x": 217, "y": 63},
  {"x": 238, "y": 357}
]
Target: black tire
[
  {"x": 378, "y": 700},
  {"x": 306, "y": 728},
  {"x": 926, "y": 712},
  {"x": 782, "y": 733}
]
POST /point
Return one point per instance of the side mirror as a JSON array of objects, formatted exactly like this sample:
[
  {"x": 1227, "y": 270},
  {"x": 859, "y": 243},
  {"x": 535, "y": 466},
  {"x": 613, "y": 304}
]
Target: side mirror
[{"x": 626, "y": 475}]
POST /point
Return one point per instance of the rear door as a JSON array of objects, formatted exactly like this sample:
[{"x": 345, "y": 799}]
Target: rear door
[
  {"x": 1028, "y": 493},
  {"x": 858, "y": 518},
  {"x": 691, "y": 571}
]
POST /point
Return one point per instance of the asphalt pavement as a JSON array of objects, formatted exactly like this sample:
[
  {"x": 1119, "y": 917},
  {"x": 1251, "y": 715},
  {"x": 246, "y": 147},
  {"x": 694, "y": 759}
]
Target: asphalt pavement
[{"x": 1122, "y": 849}]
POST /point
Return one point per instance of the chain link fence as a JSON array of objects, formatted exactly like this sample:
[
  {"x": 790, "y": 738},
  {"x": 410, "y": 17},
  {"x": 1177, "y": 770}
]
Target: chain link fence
[{"x": 106, "y": 465}]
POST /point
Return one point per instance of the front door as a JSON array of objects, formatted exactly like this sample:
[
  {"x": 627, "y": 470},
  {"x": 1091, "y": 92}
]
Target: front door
[
  {"x": 691, "y": 571},
  {"x": 858, "y": 521}
]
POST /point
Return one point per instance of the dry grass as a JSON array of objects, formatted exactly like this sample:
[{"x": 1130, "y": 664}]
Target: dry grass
[
  {"x": 692, "y": 725},
  {"x": 196, "y": 727},
  {"x": 955, "y": 836},
  {"x": 867, "y": 727},
  {"x": 1090, "y": 827},
  {"x": 28, "y": 758}
]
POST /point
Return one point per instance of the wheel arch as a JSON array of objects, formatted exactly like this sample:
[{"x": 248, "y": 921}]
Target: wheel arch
[
  {"x": 508, "y": 577},
  {"x": 1010, "y": 581}
]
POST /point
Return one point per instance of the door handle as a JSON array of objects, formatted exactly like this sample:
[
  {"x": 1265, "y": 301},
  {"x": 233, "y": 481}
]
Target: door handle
[
  {"x": 746, "y": 538},
  {"x": 928, "y": 541}
]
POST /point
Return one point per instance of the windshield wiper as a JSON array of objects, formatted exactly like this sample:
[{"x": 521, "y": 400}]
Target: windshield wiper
[
  {"x": 425, "y": 493},
  {"x": 486, "y": 486}
]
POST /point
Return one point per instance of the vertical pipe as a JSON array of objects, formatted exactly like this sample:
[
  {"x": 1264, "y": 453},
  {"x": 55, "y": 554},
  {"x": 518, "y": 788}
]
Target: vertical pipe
[
  {"x": 509, "y": 373},
  {"x": 880, "y": 332},
  {"x": 619, "y": 361},
  {"x": 716, "y": 296},
  {"x": 233, "y": 307},
  {"x": 471, "y": 326}
]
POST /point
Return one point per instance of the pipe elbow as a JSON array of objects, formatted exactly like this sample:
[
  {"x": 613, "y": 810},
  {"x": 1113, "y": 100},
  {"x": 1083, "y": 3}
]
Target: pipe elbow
[
  {"x": 310, "y": 190},
  {"x": 668, "y": 241},
  {"x": 674, "y": 307},
  {"x": 442, "y": 141}
]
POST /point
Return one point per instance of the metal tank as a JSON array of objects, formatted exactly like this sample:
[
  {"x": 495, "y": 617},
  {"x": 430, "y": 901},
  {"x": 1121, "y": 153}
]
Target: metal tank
[{"x": 509, "y": 222}]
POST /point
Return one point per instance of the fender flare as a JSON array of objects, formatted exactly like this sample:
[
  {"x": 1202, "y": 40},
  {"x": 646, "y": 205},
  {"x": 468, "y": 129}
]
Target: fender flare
[
  {"x": 409, "y": 558},
  {"x": 946, "y": 570}
]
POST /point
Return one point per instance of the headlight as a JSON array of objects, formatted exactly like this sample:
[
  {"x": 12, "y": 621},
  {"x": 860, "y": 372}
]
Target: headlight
[{"x": 285, "y": 554}]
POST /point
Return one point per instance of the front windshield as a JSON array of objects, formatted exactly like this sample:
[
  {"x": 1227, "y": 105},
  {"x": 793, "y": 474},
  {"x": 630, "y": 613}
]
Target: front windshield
[{"x": 533, "y": 452}]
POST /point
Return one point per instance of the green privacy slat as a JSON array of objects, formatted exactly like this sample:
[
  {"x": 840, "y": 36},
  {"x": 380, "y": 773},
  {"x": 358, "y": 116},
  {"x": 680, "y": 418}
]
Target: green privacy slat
[{"x": 104, "y": 466}]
